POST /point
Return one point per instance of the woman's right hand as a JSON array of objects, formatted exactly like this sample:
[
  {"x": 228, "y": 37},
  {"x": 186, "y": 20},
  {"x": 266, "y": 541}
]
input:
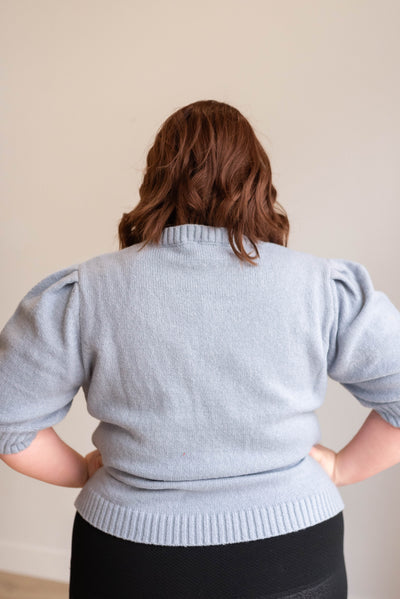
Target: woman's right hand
[{"x": 328, "y": 460}]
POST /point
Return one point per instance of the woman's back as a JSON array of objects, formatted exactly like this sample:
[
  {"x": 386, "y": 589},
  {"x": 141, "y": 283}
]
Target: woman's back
[{"x": 206, "y": 378}]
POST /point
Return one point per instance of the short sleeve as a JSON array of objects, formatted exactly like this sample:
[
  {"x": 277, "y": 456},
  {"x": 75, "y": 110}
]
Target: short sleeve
[
  {"x": 364, "y": 344},
  {"x": 41, "y": 366}
]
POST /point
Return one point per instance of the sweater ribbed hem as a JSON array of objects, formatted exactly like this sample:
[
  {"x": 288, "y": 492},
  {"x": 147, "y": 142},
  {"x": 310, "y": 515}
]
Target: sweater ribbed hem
[{"x": 217, "y": 528}]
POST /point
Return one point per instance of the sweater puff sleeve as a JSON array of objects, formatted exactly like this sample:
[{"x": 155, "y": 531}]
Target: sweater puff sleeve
[
  {"x": 364, "y": 344},
  {"x": 41, "y": 366}
]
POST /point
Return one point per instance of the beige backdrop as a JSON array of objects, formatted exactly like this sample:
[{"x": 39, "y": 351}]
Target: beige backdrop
[{"x": 86, "y": 84}]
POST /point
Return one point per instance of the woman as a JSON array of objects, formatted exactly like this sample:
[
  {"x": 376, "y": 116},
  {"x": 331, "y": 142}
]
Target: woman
[{"x": 204, "y": 365}]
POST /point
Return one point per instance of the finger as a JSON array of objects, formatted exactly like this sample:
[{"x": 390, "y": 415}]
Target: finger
[{"x": 316, "y": 454}]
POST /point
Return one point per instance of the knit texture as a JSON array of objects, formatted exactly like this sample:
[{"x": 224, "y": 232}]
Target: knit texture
[{"x": 204, "y": 373}]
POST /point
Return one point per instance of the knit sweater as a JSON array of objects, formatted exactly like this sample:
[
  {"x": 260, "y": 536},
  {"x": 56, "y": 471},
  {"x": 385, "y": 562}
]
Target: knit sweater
[{"x": 204, "y": 373}]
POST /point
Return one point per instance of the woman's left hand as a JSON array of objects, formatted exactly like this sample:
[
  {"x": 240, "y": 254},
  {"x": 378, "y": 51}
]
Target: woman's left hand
[{"x": 94, "y": 461}]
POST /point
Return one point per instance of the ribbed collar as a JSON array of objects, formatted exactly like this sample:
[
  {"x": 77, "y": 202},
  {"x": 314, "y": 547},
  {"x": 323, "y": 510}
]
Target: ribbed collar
[{"x": 193, "y": 232}]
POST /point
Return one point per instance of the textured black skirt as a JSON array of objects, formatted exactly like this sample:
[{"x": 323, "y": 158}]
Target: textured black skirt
[{"x": 305, "y": 564}]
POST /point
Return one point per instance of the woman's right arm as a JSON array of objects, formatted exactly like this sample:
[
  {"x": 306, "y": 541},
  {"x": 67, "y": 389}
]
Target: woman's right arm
[
  {"x": 364, "y": 357},
  {"x": 374, "y": 448}
]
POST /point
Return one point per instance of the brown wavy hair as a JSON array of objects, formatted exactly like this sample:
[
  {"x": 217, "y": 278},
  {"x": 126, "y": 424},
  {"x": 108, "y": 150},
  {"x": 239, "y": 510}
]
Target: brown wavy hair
[{"x": 206, "y": 166}]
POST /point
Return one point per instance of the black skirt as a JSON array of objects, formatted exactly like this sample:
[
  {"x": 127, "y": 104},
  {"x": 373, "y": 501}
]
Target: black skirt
[{"x": 306, "y": 564}]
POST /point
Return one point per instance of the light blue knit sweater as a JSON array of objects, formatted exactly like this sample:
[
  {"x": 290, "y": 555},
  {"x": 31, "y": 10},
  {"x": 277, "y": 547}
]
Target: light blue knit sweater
[{"x": 205, "y": 374}]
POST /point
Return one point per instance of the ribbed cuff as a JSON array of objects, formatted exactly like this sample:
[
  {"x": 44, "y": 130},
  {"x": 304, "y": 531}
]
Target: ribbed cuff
[
  {"x": 13, "y": 442},
  {"x": 390, "y": 413}
]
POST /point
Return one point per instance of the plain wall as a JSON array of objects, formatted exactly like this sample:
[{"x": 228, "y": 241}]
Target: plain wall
[{"x": 85, "y": 84}]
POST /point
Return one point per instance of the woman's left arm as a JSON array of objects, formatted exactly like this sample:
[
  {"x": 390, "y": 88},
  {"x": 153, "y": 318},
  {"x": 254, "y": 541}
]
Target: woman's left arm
[{"x": 52, "y": 461}]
